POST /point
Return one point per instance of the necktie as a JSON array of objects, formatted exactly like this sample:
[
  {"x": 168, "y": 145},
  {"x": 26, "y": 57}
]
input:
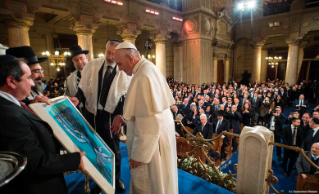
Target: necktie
[
  {"x": 104, "y": 90},
  {"x": 202, "y": 127},
  {"x": 301, "y": 102},
  {"x": 294, "y": 135},
  {"x": 255, "y": 100},
  {"x": 26, "y": 107},
  {"x": 78, "y": 78},
  {"x": 217, "y": 125}
]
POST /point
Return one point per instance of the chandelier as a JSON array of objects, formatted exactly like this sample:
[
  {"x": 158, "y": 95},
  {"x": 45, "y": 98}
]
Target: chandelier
[
  {"x": 57, "y": 59},
  {"x": 273, "y": 60}
]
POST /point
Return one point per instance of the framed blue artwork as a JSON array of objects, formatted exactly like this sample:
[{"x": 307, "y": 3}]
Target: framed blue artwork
[{"x": 76, "y": 134}]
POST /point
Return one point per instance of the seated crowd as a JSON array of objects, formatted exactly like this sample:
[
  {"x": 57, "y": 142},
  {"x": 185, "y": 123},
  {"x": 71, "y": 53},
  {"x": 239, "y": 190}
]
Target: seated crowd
[{"x": 213, "y": 108}]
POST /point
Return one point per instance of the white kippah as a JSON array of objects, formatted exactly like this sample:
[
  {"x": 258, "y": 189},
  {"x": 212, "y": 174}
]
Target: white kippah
[{"x": 125, "y": 45}]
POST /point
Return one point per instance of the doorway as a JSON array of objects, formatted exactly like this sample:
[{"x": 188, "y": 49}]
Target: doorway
[{"x": 220, "y": 72}]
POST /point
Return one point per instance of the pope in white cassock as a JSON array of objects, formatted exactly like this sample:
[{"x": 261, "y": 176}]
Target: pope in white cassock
[{"x": 151, "y": 139}]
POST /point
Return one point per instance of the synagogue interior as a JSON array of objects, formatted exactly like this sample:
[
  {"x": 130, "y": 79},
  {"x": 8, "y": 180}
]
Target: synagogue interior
[{"x": 243, "y": 75}]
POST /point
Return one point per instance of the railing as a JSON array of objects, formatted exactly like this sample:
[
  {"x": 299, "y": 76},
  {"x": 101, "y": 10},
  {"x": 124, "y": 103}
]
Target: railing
[{"x": 199, "y": 168}]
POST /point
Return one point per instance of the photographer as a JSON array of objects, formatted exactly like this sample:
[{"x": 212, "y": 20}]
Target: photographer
[{"x": 275, "y": 121}]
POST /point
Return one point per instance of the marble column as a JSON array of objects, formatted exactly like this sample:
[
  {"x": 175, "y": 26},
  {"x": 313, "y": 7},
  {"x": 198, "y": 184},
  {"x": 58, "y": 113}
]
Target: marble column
[
  {"x": 129, "y": 32},
  {"x": 215, "y": 59},
  {"x": 256, "y": 66},
  {"x": 84, "y": 32},
  {"x": 178, "y": 62},
  {"x": 160, "y": 50},
  {"x": 264, "y": 65},
  {"x": 18, "y": 32},
  {"x": 301, "y": 55},
  {"x": 226, "y": 70},
  {"x": 292, "y": 62}
]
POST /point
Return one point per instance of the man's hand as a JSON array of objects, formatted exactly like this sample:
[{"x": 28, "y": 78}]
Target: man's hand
[
  {"x": 177, "y": 135},
  {"x": 82, "y": 167},
  {"x": 116, "y": 124},
  {"x": 74, "y": 100},
  {"x": 43, "y": 99},
  {"x": 134, "y": 164},
  {"x": 304, "y": 176}
]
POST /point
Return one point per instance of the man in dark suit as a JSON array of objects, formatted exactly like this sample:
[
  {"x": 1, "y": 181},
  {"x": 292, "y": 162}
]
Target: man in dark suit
[
  {"x": 275, "y": 121},
  {"x": 234, "y": 118},
  {"x": 305, "y": 125},
  {"x": 204, "y": 127},
  {"x": 185, "y": 106},
  {"x": 104, "y": 106},
  {"x": 291, "y": 136},
  {"x": 301, "y": 104},
  {"x": 221, "y": 124},
  {"x": 175, "y": 112},
  {"x": 23, "y": 132},
  {"x": 313, "y": 135},
  {"x": 303, "y": 166},
  {"x": 255, "y": 105}
]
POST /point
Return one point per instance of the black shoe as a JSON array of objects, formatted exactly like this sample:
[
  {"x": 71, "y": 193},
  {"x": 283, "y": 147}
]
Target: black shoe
[
  {"x": 286, "y": 174},
  {"x": 279, "y": 158},
  {"x": 120, "y": 186}
]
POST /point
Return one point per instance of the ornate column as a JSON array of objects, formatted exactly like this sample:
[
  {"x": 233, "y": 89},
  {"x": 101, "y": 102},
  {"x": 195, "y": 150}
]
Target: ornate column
[
  {"x": 292, "y": 62},
  {"x": 264, "y": 65},
  {"x": 84, "y": 31},
  {"x": 256, "y": 66},
  {"x": 178, "y": 62},
  {"x": 215, "y": 69},
  {"x": 226, "y": 70},
  {"x": 160, "y": 41},
  {"x": 18, "y": 26},
  {"x": 129, "y": 32}
]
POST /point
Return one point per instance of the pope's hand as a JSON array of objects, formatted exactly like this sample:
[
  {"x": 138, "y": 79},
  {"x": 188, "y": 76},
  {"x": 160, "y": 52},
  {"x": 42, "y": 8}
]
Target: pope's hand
[
  {"x": 116, "y": 124},
  {"x": 41, "y": 99},
  {"x": 74, "y": 100},
  {"x": 304, "y": 176},
  {"x": 134, "y": 164}
]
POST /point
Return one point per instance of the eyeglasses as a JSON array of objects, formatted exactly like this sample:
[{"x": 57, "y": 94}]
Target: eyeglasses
[{"x": 37, "y": 71}]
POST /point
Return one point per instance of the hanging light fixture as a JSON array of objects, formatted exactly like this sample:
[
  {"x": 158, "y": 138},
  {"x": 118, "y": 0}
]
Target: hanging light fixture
[
  {"x": 57, "y": 59},
  {"x": 273, "y": 60}
]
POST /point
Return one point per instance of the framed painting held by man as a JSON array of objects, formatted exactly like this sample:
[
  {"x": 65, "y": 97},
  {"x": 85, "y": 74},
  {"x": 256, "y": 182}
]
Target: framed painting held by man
[{"x": 75, "y": 134}]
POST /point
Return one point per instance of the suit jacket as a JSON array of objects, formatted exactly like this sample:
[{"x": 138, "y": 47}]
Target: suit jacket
[
  {"x": 207, "y": 131},
  {"x": 234, "y": 120},
  {"x": 305, "y": 102},
  {"x": 302, "y": 165},
  {"x": 287, "y": 137},
  {"x": 23, "y": 132},
  {"x": 307, "y": 143},
  {"x": 224, "y": 126},
  {"x": 256, "y": 105},
  {"x": 279, "y": 121},
  {"x": 305, "y": 130},
  {"x": 178, "y": 127}
]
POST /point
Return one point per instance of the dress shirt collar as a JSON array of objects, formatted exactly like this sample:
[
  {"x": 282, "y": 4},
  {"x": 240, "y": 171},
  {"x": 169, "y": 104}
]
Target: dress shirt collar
[
  {"x": 314, "y": 157},
  {"x": 9, "y": 97}
]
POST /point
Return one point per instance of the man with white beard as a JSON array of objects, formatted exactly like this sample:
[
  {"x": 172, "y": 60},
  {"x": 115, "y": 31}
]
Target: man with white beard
[
  {"x": 102, "y": 89},
  {"x": 151, "y": 139},
  {"x": 27, "y": 53}
]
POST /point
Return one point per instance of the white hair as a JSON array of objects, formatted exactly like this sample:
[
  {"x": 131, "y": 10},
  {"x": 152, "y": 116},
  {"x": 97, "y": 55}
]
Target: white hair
[{"x": 203, "y": 115}]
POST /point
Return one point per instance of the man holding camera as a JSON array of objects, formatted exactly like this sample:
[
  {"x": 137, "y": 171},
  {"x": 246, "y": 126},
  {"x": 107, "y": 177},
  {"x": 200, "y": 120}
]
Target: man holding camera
[{"x": 275, "y": 121}]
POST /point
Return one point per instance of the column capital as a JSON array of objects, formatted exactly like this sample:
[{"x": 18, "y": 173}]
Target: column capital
[
  {"x": 19, "y": 20},
  {"x": 84, "y": 28},
  {"x": 161, "y": 36},
  {"x": 293, "y": 41},
  {"x": 129, "y": 32}
]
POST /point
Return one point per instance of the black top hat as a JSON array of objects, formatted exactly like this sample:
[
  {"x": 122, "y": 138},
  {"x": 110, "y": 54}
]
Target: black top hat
[
  {"x": 6, "y": 58},
  {"x": 220, "y": 113},
  {"x": 27, "y": 53},
  {"x": 76, "y": 50}
]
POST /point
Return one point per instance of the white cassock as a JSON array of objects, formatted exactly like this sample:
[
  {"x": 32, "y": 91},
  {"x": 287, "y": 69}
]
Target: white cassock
[{"x": 151, "y": 131}]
